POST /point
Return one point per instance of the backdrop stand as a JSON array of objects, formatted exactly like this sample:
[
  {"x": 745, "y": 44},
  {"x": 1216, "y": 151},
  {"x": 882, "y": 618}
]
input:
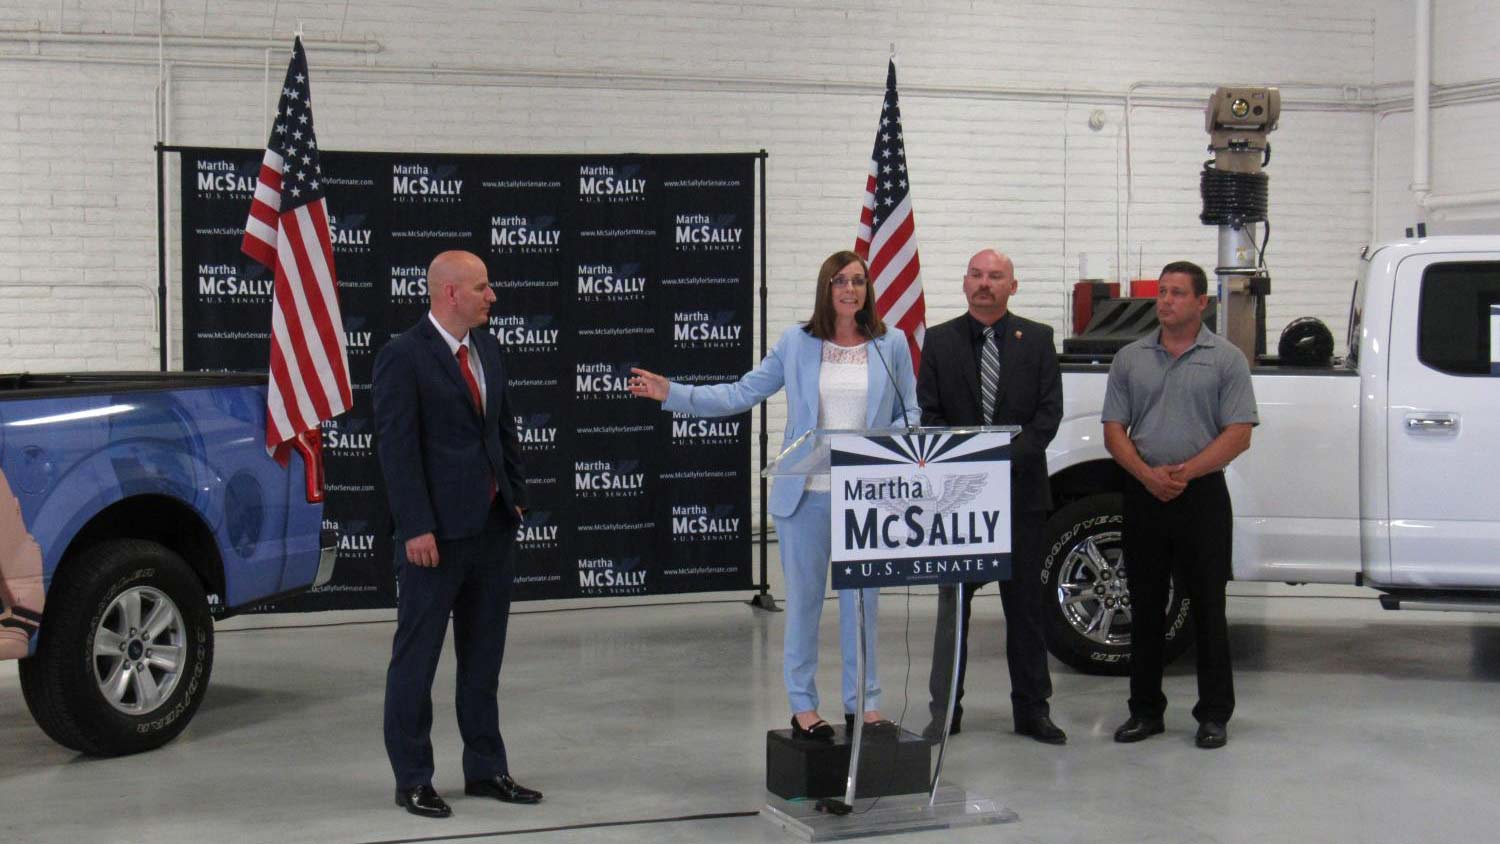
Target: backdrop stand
[
  {"x": 161, "y": 252},
  {"x": 763, "y": 600}
]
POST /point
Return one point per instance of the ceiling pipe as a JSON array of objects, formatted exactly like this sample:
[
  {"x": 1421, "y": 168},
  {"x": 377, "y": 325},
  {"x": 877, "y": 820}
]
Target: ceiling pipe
[
  {"x": 35, "y": 37},
  {"x": 1440, "y": 201},
  {"x": 1421, "y": 109},
  {"x": 1421, "y": 97}
]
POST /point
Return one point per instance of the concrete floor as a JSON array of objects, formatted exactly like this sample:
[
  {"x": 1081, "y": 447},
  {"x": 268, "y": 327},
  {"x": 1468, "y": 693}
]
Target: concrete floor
[{"x": 1354, "y": 724}]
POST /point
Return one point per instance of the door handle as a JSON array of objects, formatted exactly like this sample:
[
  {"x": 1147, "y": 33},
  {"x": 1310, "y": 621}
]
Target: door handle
[{"x": 1432, "y": 423}]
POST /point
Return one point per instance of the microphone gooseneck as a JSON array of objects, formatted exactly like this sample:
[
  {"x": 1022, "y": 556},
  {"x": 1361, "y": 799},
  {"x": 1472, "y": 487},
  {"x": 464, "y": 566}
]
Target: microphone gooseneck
[{"x": 862, "y": 320}]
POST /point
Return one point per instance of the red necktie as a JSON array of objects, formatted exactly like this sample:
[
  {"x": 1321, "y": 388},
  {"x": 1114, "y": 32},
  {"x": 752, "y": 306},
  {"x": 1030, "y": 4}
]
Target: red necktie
[{"x": 463, "y": 366}]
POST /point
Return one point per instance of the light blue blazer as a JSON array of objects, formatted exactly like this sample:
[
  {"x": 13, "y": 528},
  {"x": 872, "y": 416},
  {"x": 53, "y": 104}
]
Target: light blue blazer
[{"x": 794, "y": 363}]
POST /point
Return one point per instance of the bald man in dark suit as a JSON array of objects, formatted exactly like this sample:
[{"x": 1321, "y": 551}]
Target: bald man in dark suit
[
  {"x": 992, "y": 367},
  {"x": 446, "y": 439}
]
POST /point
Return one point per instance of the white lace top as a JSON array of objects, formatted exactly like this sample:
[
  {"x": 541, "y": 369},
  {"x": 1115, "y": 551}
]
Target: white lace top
[{"x": 843, "y": 391}]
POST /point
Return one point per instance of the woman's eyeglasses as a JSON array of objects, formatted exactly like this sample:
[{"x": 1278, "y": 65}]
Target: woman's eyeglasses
[{"x": 855, "y": 281}]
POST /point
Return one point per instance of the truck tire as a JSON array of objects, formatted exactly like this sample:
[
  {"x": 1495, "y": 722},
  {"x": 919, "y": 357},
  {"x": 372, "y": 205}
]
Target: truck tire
[
  {"x": 125, "y": 650},
  {"x": 1087, "y": 615}
]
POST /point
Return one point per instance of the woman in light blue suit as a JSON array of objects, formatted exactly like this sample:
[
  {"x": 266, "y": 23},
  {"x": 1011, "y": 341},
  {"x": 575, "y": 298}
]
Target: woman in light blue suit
[{"x": 832, "y": 379}]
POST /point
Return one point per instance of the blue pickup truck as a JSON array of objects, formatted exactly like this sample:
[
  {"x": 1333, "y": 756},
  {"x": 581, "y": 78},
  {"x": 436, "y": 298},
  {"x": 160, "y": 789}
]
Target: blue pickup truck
[{"x": 134, "y": 510}]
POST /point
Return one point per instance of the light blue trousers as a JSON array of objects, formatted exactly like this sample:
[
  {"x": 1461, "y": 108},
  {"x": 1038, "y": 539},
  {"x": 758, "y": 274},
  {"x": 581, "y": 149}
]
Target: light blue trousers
[{"x": 805, "y": 548}]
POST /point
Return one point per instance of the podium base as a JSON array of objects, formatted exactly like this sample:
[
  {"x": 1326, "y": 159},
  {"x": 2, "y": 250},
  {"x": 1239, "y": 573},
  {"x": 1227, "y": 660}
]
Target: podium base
[
  {"x": 954, "y": 808},
  {"x": 796, "y": 768}
]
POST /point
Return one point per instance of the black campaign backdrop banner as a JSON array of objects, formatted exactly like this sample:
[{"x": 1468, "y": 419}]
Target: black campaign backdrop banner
[{"x": 599, "y": 263}]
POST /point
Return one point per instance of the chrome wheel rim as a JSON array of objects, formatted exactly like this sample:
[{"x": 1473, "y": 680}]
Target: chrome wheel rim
[
  {"x": 138, "y": 650},
  {"x": 1093, "y": 590}
]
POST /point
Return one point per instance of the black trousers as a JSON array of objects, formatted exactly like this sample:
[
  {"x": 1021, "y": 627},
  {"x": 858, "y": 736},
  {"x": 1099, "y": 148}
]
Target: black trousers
[
  {"x": 472, "y": 582},
  {"x": 1192, "y": 535},
  {"x": 1021, "y": 599}
]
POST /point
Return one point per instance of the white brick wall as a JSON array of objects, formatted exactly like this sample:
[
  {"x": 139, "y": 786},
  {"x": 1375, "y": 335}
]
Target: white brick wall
[
  {"x": 1464, "y": 35},
  {"x": 997, "y": 99},
  {"x": 1466, "y": 32},
  {"x": 77, "y": 219}
]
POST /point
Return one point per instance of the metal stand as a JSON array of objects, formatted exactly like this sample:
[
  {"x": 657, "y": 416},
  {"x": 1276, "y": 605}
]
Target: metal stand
[
  {"x": 161, "y": 253},
  {"x": 845, "y": 806},
  {"x": 1235, "y": 270},
  {"x": 859, "y": 717},
  {"x": 944, "y": 807},
  {"x": 764, "y": 601},
  {"x": 958, "y": 650}
]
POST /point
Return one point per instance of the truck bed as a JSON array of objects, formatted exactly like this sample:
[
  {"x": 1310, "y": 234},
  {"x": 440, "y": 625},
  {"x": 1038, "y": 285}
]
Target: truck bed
[
  {"x": 1264, "y": 365},
  {"x": 47, "y": 384}
]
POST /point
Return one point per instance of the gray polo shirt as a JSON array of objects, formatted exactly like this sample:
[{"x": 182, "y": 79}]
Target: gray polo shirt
[{"x": 1174, "y": 408}]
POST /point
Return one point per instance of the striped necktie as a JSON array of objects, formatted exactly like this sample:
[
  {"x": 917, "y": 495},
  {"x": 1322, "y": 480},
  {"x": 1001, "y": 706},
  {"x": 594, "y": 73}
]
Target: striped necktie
[{"x": 989, "y": 374}]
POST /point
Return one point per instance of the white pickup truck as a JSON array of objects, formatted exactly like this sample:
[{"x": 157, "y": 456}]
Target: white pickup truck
[{"x": 1380, "y": 470}]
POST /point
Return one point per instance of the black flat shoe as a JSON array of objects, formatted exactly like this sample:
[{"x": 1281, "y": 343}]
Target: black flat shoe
[
  {"x": 1043, "y": 730},
  {"x": 883, "y": 727},
  {"x": 820, "y": 731},
  {"x": 502, "y": 788},
  {"x": 422, "y": 801},
  {"x": 1137, "y": 729},
  {"x": 1212, "y": 735}
]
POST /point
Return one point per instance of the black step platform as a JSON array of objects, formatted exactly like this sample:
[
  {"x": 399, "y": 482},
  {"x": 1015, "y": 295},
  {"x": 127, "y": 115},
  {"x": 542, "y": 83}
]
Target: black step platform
[{"x": 796, "y": 768}]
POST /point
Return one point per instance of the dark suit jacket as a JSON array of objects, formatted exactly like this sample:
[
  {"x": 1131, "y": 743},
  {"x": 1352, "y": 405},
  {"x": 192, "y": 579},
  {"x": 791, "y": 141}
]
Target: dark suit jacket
[
  {"x": 437, "y": 454},
  {"x": 1030, "y": 396}
]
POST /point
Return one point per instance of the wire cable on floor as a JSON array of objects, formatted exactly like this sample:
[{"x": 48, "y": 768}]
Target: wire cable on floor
[{"x": 536, "y": 830}]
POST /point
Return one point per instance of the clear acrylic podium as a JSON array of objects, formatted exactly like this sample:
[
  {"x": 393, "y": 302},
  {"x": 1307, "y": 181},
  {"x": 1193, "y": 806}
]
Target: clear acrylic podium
[{"x": 945, "y": 805}]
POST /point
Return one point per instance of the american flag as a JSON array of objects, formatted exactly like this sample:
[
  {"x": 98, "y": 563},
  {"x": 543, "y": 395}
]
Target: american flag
[
  {"x": 288, "y": 232},
  {"x": 887, "y": 229}
]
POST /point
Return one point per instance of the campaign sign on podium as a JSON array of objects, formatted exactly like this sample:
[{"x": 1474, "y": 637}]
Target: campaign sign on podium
[
  {"x": 919, "y": 508},
  {"x": 915, "y": 507}
]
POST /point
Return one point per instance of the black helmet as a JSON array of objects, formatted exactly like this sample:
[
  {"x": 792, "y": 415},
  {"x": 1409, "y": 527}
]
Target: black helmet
[{"x": 1306, "y": 341}]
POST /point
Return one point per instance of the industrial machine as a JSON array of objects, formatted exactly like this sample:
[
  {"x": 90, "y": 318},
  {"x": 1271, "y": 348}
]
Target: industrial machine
[{"x": 1235, "y": 190}]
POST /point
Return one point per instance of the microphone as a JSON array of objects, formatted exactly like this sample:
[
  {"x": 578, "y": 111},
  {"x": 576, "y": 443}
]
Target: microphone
[{"x": 862, "y": 320}]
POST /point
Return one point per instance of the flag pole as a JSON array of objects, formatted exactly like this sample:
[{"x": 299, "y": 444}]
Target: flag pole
[
  {"x": 886, "y": 233},
  {"x": 287, "y": 231}
]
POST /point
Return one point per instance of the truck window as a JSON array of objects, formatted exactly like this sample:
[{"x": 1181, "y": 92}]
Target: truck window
[{"x": 1453, "y": 320}]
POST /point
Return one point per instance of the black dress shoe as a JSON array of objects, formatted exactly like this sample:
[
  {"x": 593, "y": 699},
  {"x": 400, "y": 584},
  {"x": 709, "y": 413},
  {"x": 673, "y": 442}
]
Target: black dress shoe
[
  {"x": 422, "y": 801},
  {"x": 934, "y": 728},
  {"x": 883, "y": 727},
  {"x": 820, "y": 731},
  {"x": 502, "y": 788},
  {"x": 1137, "y": 729},
  {"x": 1043, "y": 730},
  {"x": 1211, "y": 735}
]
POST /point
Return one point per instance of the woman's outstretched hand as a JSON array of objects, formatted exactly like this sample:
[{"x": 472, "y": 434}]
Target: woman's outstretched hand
[{"x": 647, "y": 384}]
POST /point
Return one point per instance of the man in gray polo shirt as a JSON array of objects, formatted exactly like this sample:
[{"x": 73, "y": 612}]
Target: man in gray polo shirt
[{"x": 1179, "y": 407}]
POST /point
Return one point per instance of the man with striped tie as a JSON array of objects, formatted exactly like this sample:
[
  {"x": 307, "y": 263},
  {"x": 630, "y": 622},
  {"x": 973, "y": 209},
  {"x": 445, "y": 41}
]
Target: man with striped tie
[{"x": 992, "y": 367}]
